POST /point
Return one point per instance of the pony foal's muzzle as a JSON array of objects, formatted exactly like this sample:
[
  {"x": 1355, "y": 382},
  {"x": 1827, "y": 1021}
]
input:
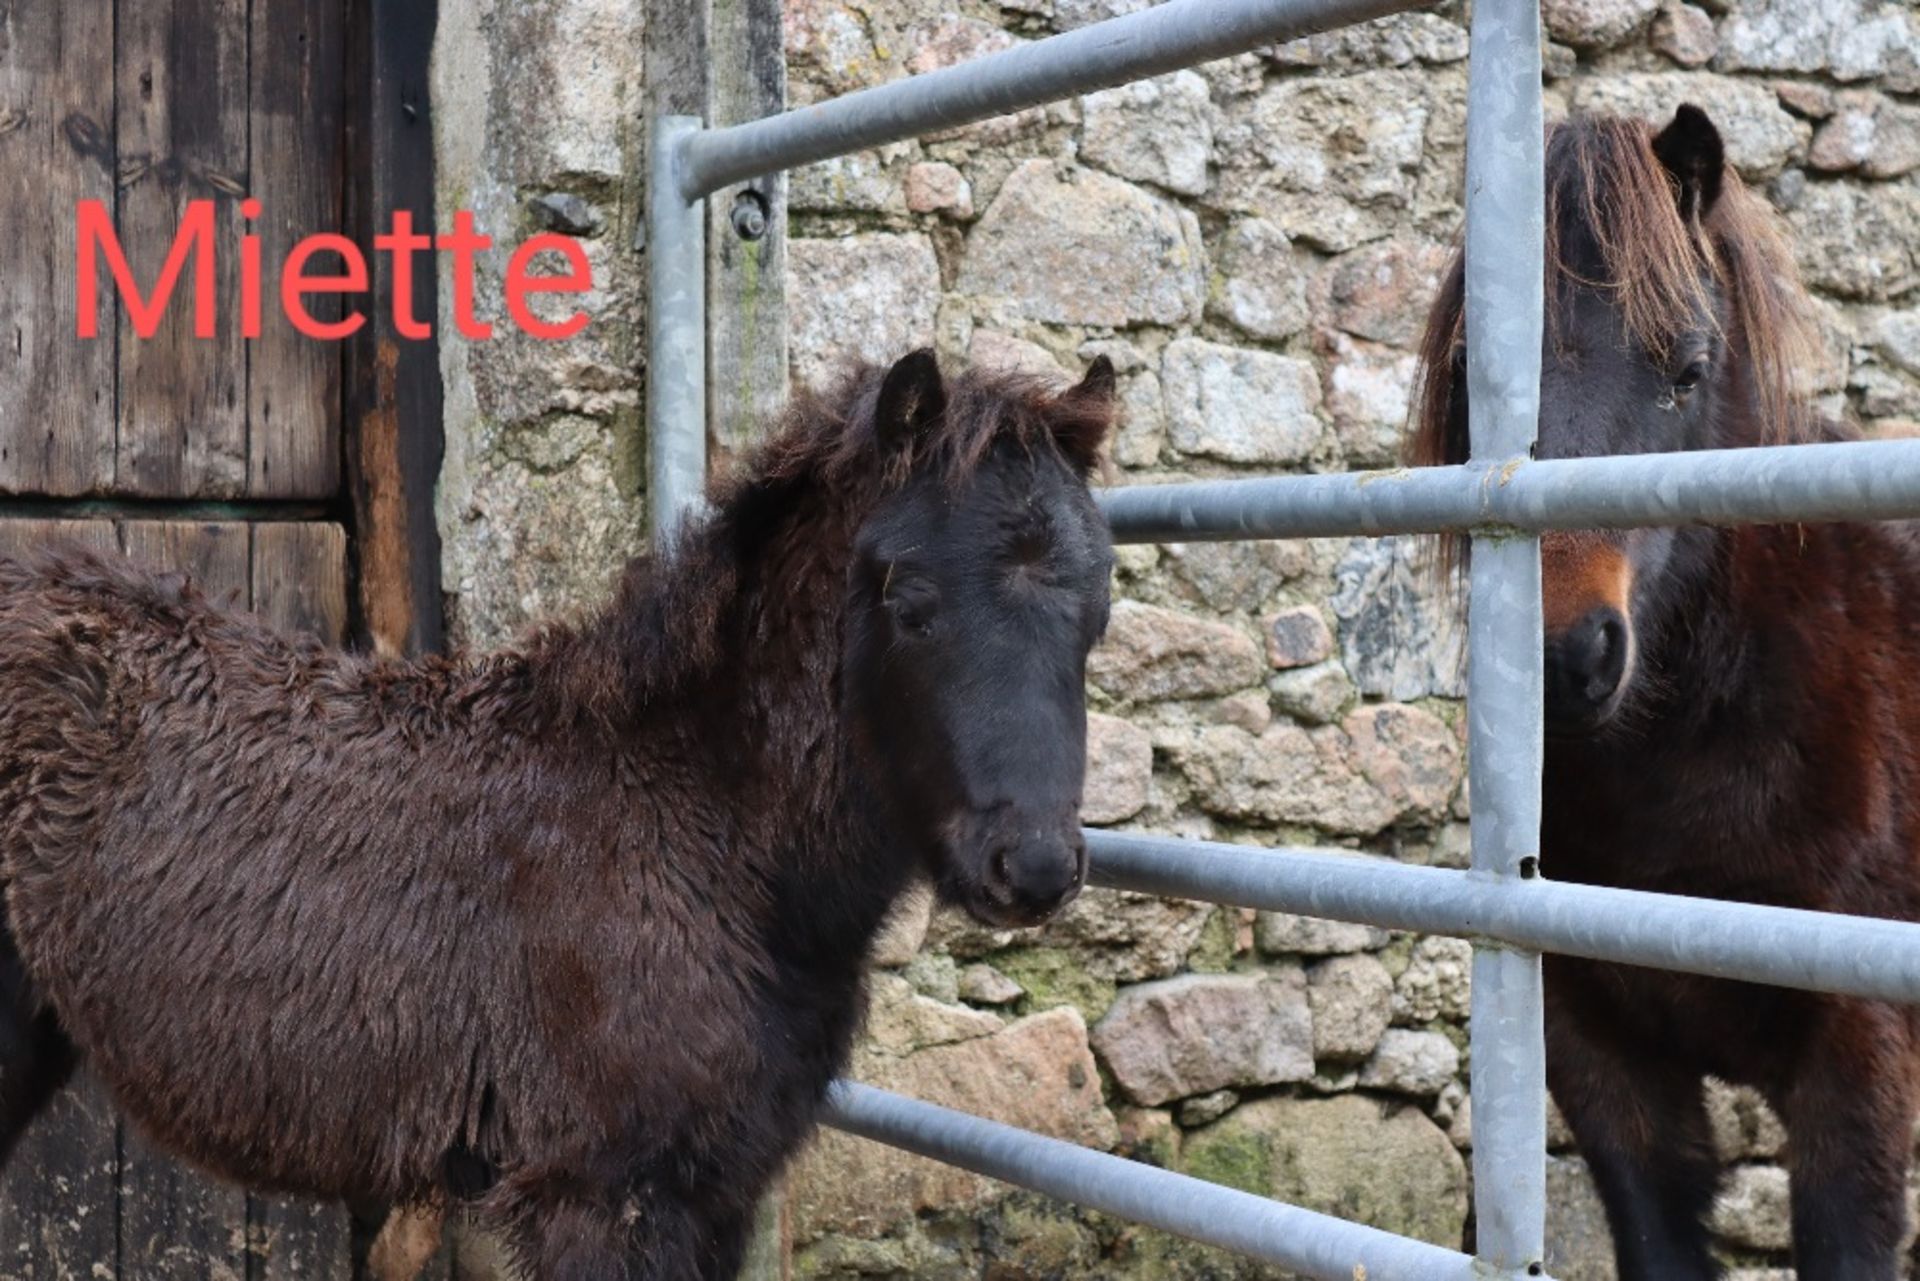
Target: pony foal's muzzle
[{"x": 1024, "y": 871}]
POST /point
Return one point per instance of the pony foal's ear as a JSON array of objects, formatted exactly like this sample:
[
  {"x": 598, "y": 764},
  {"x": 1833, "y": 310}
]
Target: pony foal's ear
[
  {"x": 1085, "y": 412},
  {"x": 912, "y": 396},
  {"x": 1098, "y": 384},
  {"x": 1691, "y": 150}
]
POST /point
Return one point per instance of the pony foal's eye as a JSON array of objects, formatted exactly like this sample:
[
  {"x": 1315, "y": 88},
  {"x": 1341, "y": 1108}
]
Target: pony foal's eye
[{"x": 911, "y": 613}]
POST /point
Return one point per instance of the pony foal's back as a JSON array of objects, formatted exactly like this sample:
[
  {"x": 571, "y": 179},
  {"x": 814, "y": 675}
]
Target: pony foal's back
[{"x": 574, "y": 932}]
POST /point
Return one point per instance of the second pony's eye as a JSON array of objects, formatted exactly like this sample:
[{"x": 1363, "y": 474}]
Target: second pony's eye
[{"x": 1689, "y": 378}]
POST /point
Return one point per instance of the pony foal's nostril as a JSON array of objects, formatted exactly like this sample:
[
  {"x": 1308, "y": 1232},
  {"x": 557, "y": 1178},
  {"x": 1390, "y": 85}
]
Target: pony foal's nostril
[{"x": 1040, "y": 874}]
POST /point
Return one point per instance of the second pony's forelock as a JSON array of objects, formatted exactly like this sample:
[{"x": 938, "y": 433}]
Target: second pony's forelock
[
  {"x": 1733, "y": 268},
  {"x": 1606, "y": 186}
]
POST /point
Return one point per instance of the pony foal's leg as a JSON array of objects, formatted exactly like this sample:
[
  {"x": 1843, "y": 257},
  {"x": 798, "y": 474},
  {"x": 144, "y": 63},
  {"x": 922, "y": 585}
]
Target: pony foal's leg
[
  {"x": 728, "y": 1234},
  {"x": 1849, "y": 1118},
  {"x": 1642, "y": 1126},
  {"x": 36, "y": 1058},
  {"x": 564, "y": 1239},
  {"x": 638, "y": 1235},
  {"x": 35, "y": 1061}
]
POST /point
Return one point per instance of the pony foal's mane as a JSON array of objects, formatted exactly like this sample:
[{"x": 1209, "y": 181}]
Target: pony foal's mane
[
  {"x": 822, "y": 460},
  {"x": 829, "y": 434}
]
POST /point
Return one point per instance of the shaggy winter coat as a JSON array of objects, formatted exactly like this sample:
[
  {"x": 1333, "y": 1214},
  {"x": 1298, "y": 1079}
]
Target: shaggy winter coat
[{"x": 383, "y": 930}]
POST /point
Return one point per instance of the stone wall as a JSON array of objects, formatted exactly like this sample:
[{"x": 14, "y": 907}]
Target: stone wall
[
  {"x": 1253, "y": 244},
  {"x": 539, "y": 127}
]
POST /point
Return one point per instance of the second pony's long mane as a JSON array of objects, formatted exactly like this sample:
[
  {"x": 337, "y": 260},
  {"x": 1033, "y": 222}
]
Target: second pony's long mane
[{"x": 1608, "y": 191}]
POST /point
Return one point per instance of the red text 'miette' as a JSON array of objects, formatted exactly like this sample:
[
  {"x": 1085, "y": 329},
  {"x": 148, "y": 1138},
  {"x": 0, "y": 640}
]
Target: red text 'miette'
[{"x": 194, "y": 244}]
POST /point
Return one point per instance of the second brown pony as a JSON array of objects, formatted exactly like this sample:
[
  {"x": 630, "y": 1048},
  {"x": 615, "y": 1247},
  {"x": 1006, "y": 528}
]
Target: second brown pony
[
  {"x": 571, "y": 933},
  {"x": 1731, "y": 713}
]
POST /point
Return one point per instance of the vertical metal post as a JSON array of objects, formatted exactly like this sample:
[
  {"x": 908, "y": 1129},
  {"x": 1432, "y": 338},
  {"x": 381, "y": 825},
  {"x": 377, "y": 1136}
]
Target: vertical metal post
[
  {"x": 1504, "y": 284},
  {"x": 676, "y": 335}
]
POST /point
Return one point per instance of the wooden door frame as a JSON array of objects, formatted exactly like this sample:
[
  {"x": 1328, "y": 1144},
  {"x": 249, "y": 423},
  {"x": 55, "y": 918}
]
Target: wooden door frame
[{"x": 392, "y": 402}]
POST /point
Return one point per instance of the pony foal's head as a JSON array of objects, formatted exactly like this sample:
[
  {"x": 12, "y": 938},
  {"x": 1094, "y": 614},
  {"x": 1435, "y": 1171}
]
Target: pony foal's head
[
  {"x": 1673, "y": 323},
  {"x": 978, "y": 585}
]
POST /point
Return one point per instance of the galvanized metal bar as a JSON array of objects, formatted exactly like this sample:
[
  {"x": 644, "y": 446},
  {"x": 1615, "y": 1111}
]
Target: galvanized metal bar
[
  {"x": 1505, "y": 736},
  {"x": 1504, "y": 750},
  {"x": 1851, "y": 480},
  {"x": 1312, "y": 1244},
  {"x": 1506, "y": 229},
  {"x": 1165, "y": 38},
  {"x": 676, "y": 336},
  {"x": 1784, "y": 947},
  {"x": 1505, "y": 273},
  {"x": 1509, "y": 1110}
]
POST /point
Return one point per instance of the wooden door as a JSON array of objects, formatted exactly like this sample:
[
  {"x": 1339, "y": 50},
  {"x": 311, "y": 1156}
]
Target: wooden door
[
  {"x": 246, "y": 462},
  {"x": 145, "y": 106}
]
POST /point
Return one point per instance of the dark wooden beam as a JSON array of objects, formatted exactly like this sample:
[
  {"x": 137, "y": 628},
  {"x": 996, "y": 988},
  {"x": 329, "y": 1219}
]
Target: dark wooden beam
[
  {"x": 746, "y": 273},
  {"x": 394, "y": 437}
]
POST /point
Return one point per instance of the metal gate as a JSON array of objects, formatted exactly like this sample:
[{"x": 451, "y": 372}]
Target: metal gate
[{"x": 1501, "y": 498}]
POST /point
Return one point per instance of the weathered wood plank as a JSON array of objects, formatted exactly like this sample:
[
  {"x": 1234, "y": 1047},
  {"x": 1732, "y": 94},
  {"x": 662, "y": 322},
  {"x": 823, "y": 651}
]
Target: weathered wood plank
[
  {"x": 19, "y": 536},
  {"x": 177, "y": 1224},
  {"x": 300, "y": 577},
  {"x": 58, "y": 1212},
  {"x": 56, "y": 149},
  {"x": 298, "y": 1241},
  {"x": 212, "y": 553},
  {"x": 295, "y": 124},
  {"x": 747, "y": 333},
  {"x": 394, "y": 440},
  {"x": 182, "y": 93},
  {"x": 746, "y": 277}
]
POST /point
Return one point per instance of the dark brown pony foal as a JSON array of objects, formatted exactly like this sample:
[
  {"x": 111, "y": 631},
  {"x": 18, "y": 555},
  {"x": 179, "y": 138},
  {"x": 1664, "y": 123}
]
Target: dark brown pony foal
[
  {"x": 1731, "y": 713},
  {"x": 573, "y": 933}
]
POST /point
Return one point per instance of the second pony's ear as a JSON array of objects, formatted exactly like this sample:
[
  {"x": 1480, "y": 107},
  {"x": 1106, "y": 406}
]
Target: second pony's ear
[
  {"x": 1690, "y": 149},
  {"x": 912, "y": 396},
  {"x": 1084, "y": 414}
]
